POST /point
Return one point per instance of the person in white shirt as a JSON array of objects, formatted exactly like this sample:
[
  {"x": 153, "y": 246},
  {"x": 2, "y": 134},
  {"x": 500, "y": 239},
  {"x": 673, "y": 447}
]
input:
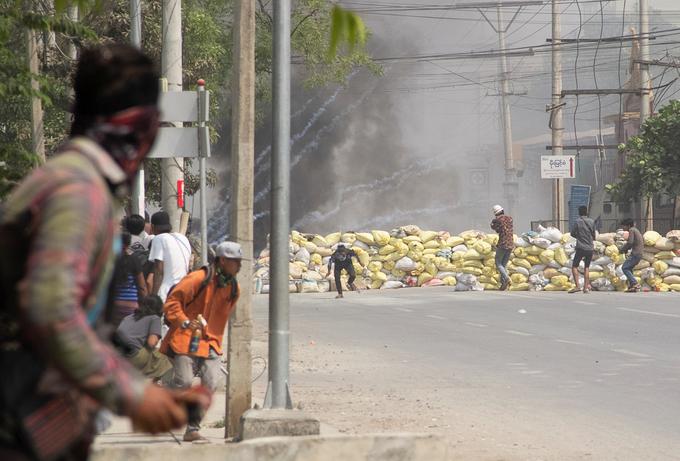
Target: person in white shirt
[{"x": 170, "y": 253}]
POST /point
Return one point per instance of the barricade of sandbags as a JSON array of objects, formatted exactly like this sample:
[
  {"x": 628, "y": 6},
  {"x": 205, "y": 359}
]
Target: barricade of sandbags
[{"x": 409, "y": 256}]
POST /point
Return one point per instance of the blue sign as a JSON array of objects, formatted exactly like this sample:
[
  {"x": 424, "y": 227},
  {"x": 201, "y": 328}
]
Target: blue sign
[{"x": 578, "y": 196}]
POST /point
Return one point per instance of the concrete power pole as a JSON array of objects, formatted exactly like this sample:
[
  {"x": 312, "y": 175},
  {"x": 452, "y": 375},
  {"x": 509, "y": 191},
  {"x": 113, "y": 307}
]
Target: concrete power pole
[
  {"x": 239, "y": 389},
  {"x": 171, "y": 69},
  {"x": 645, "y": 97},
  {"x": 510, "y": 184},
  {"x": 138, "y": 193},
  {"x": 556, "y": 113}
]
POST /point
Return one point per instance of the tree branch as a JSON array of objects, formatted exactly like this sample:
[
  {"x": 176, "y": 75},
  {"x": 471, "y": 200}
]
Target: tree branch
[{"x": 302, "y": 21}]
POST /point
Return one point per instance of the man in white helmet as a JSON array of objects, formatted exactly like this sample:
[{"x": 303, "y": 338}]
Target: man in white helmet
[
  {"x": 502, "y": 224},
  {"x": 200, "y": 306}
]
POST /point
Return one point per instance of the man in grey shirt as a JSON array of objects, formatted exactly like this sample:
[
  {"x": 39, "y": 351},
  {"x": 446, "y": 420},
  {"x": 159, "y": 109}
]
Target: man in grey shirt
[
  {"x": 583, "y": 231},
  {"x": 636, "y": 244}
]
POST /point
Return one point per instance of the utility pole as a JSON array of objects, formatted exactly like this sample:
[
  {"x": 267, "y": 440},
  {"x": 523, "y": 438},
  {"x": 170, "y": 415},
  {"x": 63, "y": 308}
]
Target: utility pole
[
  {"x": 510, "y": 184},
  {"x": 72, "y": 51},
  {"x": 37, "y": 127},
  {"x": 239, "y": 360},
  {"x": 278, "y": 394},
  {"x": 556, "y": 117},
  {"x": 645, "y": 97},
  {"x": 171, "y": 68},
  {"x": 138, "y": 193}
]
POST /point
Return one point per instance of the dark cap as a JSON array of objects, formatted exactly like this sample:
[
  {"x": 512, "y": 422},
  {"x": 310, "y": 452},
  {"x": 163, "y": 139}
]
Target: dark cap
[{"x": 161, "y": 221}]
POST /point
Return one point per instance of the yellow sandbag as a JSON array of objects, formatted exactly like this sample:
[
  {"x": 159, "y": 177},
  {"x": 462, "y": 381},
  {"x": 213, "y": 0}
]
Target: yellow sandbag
[
  {"x": 565, "y": 238},
  {"x": 349, "y": 237},
  {"x": 447, "y": 267},
  {"x": 651, "y": 237},
  {"x": 561, "y": 256},
  {"x": 316, "y": 259},
  {"x": 366, "y": 238},
  {"x": 358, "y": 268},
  {"x": 387, "y": 249},
  {"x": 398, "y": 273},
  {"x": 519, "y": 262},
  {"x": 378, "y": 276},
  {"x": 450, "y": 281},
  {"x": 491, "y": 239},
  {"x": 381, "y": 237},
  {"x": 396, "y": 256},
  {"x": 642, "y": 265},
  {"x": 432, "y": 244},
  {"x": 533, "y": 260},
  {"x": 560, "y": 280},
  {"x": 416, "y": 246},
  {"x": 660, "y": 267},
  {"x": 310, "y": 246},
  {"x": 490, "y": 262},
  {"x": 596, "y": 275},
  {"x": 424, "y": 278},
  {"x": 415, "y": 255},
  {"x": 363, "y": 256},
  {"x": 388, "y": 265},
  {"x": 458, "y": 256},
  {"x": 518, "y": 278},
  {"x": 473, "y": 263},
  {"x": 534, "y": 250},
  {"x": 549, "y": 273},
  {"x": 547, "y": 256},
  {"x": 472, "y": 270},
  {"x": 611, "y": 251},
  {"x": 375, "y": 266},
  {"x": 486, "y": 279},
  {"x": 664, "y": 255},
  {"x": 431, "y": 251},
  {"x": 469, "y": 234},
  {"x": 551, "y": 287},
  {"x": 482, "y": 247},
  {"x": 675, "y": 287},
  {"x": 301, "y": 264},
  {"x": 412, "y": 238},
  {"x": 664, "y": 288},
  {"x": 420, "y": 267},
  {"x": 655, "y": 281},
  {"x": 519, "y": 287},
  {"x": 426, "y": 236},
  {"x": 520, "y": 252},
  {"x": 333, "y": 238},
  {"x": 454, "y": 241},
  {"x": 431, "y": 269},
  {"x": 472, "y": 254},
  {"x": 319, "y": 241},
  {"x": 297, "y": 237},
  {"x": 664, "y": 244},
  {"x": 376, "y": 284},
  {"x": 428, "y": 258},
  {"x": 395, "y": 242},
  {"x": 672, "y": 280},
  {"x": 490, "y": 286},
  {"x": 324, "y": 252},
  {"x": 294, "y": 271}
]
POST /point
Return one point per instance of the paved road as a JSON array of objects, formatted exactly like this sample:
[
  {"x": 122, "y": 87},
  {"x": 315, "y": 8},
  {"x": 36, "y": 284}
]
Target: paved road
[{"x": 586, "y": 376}]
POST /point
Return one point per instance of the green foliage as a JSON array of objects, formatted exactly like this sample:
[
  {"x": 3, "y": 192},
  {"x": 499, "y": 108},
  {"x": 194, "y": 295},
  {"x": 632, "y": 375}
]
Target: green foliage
[
  {"x": 653, "y": 158},
  {"x": 207, "y": 31}
]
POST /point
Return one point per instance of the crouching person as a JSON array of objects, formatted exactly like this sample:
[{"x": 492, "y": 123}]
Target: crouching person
[
  {"x": 198, "y": 309},
  {"x": 138, "y": 335}
]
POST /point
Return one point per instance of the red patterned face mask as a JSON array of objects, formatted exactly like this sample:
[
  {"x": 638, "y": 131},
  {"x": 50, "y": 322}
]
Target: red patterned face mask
[{"x": 128, "y": 135}]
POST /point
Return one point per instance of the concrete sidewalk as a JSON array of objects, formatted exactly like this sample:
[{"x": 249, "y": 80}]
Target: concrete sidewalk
[{"x": 120, "y": 443}]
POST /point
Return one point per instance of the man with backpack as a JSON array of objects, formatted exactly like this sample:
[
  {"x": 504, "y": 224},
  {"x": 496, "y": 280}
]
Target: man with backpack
[
  {"x": 58, "y": 243},
  {"x": 170, "y": 254},
  {"x": 198, "y": 309}
]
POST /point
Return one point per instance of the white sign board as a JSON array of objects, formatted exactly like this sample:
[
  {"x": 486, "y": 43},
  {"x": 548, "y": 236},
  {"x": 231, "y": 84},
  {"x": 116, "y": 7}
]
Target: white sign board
[{"x": 558, "y": 166}]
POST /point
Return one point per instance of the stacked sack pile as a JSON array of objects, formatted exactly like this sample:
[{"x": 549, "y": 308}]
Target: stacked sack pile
[{"x": 409, "y": 257}]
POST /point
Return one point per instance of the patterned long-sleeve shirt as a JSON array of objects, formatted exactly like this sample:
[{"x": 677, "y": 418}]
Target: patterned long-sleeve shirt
[
  {"x": 503, "y": 225},
  {"x": 68, "y": 268}
]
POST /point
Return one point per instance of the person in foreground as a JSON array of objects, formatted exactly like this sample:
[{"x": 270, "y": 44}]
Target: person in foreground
[{"x": 58, "y": 243}]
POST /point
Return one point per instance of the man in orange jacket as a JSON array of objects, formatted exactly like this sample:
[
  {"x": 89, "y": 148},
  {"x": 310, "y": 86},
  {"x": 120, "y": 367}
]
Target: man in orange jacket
[{"x": 210, "y": 293}]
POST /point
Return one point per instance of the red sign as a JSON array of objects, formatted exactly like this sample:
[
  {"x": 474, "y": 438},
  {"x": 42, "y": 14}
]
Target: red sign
[{"x": 180, "y": 193}]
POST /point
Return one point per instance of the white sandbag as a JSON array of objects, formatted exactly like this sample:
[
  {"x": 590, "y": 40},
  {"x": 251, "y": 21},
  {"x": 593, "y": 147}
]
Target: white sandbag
[
  {"x": 520, "y": 242},
  {"x": 555, "y": 246},
  {"x": 360, "y": 244},
  {"x": 309, "y": 286},
  {"x": 406, "y": 264},
  {"x": 392, "y": 284},
  {"x": 675, "y": 262},
  {"x": 521, "y": 270},
  {"x": 467, "y": 279},
  {"x": 537, "y": 269},
  {"x": 600, "y": 283},
  {"x": 603, "y": 261},
  {"x": 607, "y": 239},
  {"x": 671, "y": 271},
  {"x": 303, "y": 256},
  {"x": 565, "y": 270},
  {"x": 459, "y": 248},
  {"x": 463, "y": 287},
  {"x": 551, "y": 233},
  {"x": 541, "y": 242}
]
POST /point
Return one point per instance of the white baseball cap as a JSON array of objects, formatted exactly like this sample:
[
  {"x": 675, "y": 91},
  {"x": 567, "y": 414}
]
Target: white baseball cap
[
  {"x": 497, "y": 209},
  {"x": 230, "y": 250}
]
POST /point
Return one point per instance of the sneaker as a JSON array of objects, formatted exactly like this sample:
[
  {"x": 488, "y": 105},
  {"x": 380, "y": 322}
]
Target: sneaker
[
  {"x": 574, "y": 290},
  {"x": 586, "y": 291},
  {"x": 633, "y": 289},
  {"x": 339, "y": 296},
  {"x": 504, "y": 285},
  {"x": 194, "y": 436},
  {"x": 353, "y": 287}
]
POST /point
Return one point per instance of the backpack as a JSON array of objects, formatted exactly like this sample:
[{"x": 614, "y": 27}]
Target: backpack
[{"x": 140, "y": 253}]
